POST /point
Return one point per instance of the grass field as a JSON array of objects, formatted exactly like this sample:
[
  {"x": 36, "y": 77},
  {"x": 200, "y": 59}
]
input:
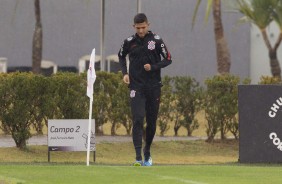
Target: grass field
[
  {"x": 168, "y": 152},
  {"x": 175, "y": 162},
  {"x": 172, "y": 174}
]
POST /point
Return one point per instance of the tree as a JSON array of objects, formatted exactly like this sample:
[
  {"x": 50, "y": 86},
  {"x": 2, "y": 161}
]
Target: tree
[
  {"x": 262, "y": 13},
  {"x": 37, "y": 39},
  {"x": 222, "y": 50}
]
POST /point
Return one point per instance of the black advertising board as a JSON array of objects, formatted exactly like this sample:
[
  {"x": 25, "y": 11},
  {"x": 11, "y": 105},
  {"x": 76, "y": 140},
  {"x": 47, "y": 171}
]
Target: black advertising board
[{"x": 260, "y": 123}]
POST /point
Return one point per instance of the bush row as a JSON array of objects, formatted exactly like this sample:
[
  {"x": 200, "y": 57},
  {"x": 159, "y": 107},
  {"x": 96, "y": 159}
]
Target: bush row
[{"x": 27, "y": 101}]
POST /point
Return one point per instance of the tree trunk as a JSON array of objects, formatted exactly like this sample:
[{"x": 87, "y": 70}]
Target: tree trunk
[
  {"x": 99, "y": 129},
  {"x": 113, "y": 128},
  {"x": 128, "y": 131},
  {"x": 272, "y": 52},
  {"x": 274, "y": 64},
  {"x": 37, "y": 40},
  {"x": 176, "y": 130},
  {"x": 222, "y": 131},
  {"x": 177, "y": 126},
  {"x": 222, "y": 51},
  {"x": 189, "y": 131},
  {"x": 20, "y": 142}
]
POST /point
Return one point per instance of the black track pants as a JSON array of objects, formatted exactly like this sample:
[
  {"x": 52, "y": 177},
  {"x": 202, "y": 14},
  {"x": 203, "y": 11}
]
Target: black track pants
[{"x": 144, "y": 102}]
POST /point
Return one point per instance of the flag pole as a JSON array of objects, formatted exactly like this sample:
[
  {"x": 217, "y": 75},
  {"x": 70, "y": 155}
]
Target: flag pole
[
  {"x": 89, "y": 130},
  {"x": 91, "y": 77}
]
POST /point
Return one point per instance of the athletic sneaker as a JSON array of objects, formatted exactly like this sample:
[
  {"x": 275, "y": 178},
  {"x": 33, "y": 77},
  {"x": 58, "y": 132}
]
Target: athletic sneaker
[
  {"x": 148, "y": 162},
  {"x": 138, "y": 163}
]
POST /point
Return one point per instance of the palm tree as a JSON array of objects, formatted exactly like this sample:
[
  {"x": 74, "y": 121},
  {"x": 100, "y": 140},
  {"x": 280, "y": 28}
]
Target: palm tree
[
  {"x": 222, "y": 50},
  {"x": 37, "y": 40},
  {"x": 262, "y": 13}
]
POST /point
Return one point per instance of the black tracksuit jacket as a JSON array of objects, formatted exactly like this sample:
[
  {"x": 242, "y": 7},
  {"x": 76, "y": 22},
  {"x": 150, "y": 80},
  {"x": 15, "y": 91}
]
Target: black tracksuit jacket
[{"x": 148, "y": 50}]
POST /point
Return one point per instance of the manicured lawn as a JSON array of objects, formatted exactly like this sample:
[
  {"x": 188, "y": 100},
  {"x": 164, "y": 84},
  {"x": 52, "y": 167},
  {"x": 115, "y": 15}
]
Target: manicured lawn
[{"x": 170, "y": 174}]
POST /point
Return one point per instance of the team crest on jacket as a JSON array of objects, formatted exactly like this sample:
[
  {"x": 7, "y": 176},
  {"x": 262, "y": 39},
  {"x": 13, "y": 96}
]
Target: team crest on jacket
[
  {"x": 132, "y": 93},
  {"x": 151, "y": 45}
]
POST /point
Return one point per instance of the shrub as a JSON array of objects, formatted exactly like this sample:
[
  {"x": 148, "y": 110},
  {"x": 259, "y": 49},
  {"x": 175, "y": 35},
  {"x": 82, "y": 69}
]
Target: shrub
[
  {"x": 43, "y": 103},
  {"x": 269, "y": 80},
  {"x": 69, "y": 96},
  {"x": 103, "y": 90},
  {"x": 17, "y": 105},
  {"x": 123, "y": 105},
  {"x": 188, "y": 102},
  {"x": 221, "y": 104},
  {"x": 166, "y": 108},
  {"x": 116, "y": 104}
]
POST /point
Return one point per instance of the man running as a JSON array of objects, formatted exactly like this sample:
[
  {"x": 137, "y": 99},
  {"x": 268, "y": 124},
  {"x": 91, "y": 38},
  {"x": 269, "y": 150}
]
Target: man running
[{"x": 147, "y": 55}]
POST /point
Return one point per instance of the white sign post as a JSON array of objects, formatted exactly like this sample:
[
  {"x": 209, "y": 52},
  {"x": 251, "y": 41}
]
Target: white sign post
[{"x": 70, "y": 135}]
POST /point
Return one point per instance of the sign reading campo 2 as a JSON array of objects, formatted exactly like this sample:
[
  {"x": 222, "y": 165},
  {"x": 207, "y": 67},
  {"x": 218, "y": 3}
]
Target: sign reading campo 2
[{"x": 70, "y": 135}]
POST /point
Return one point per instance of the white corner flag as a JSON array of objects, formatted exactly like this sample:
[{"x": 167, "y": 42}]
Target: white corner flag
[{"x": 91, "y": 77}]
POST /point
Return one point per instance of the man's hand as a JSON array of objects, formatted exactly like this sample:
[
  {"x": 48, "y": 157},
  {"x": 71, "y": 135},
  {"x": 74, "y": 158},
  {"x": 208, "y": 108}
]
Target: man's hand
[
  {"x": 147, "y": 67},
  {"x": 126, "y": 79}
]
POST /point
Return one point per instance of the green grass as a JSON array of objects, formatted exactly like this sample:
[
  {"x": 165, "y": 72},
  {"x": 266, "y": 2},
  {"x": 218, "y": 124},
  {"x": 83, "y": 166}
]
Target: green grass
[
  {"x": 100, "y": 174},
  {"x": 192, "y": 162},
  {"x": 175, "y": 162},
  {"x": 168, "y": 152}
]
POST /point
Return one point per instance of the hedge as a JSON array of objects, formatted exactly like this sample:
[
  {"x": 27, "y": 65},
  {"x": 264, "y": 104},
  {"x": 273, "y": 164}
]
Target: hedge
[{"x": 27, "y": 101}]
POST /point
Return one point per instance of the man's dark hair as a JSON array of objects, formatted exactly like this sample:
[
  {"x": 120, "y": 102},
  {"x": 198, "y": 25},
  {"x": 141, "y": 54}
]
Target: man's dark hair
[{"x": 140, "y": 18}]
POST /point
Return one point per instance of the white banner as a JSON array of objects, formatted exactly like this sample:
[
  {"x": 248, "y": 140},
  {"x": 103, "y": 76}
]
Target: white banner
[
  {"x": 70, "y": 135},
  {"x": 91, "y": 75}
]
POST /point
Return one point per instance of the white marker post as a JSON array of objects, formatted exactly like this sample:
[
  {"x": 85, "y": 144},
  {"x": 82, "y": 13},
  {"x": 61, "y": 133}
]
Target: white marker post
[{"x": 91, "y": 77}]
